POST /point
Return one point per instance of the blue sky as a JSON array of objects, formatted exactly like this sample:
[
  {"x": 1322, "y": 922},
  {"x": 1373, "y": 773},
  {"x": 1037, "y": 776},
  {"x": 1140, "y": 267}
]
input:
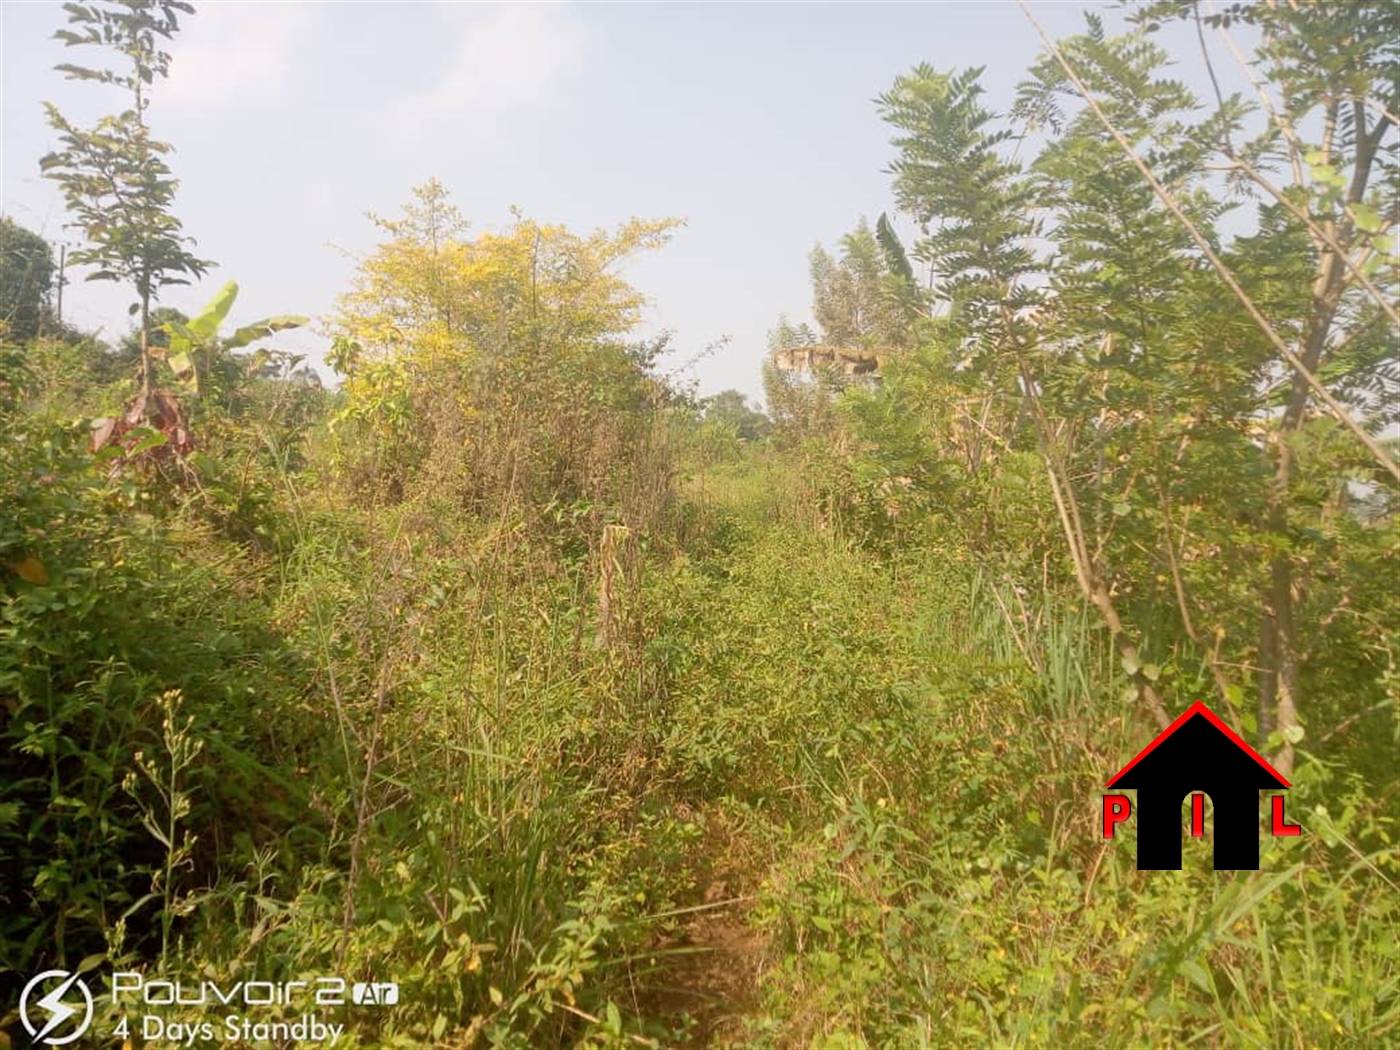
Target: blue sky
[{"x": 290, "y": 121}]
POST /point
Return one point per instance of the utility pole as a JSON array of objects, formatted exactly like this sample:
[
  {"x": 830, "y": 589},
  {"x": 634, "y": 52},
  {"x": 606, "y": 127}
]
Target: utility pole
[{"x": 62, "y": 261}]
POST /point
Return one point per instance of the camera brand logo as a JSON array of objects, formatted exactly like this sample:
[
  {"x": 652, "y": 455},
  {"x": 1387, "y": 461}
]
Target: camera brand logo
[
  {"x": 56, "y": 1008},
  {"x": 1197, "y": 753}
]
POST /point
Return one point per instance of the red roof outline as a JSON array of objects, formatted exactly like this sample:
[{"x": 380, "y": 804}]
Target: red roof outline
[{"x": 1199, "y": 708}]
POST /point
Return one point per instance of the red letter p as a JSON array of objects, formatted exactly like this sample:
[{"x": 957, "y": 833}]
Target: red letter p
[{"x": 1116, "y": 809}]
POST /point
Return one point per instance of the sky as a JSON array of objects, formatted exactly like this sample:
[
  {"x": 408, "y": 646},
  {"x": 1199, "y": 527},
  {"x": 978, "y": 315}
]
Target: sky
[{"x": 291, "y": 121}]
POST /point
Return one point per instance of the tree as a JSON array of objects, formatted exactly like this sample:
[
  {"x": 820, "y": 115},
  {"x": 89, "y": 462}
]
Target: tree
[
  {"x": 866, "y": 298},
  {"x": 786, "y": 336},
  {"x": 202, "y": 359},
  {"x": 495, "y": 367},
  {"x": 976, "y": 210},
  {"x": 1193, "y": 459},
  {"x": 866, "y": 301},
  {"x": 128, "y": 351},
  {"x": 113, "y": 176},
  {"x": 730, "y": 409},
  {"x": 800, "y": 406},
  {"x": 26, "y": 274},
  {"x": 1330, "y": 85}
]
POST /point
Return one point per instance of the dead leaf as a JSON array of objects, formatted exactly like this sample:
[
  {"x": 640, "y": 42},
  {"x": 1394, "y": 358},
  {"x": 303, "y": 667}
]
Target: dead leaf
[
  {"x": 102, "y": 431},
  {"x": 31, "y": 570}
]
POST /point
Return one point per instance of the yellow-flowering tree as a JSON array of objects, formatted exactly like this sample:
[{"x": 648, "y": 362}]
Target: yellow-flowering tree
[{"x": 496, "y": 365}]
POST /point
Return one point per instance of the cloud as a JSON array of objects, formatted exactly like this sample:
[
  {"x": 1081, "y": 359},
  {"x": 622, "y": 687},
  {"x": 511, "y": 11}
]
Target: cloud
[
  {"x": 505, "y": 55},
  {"x": 233, "y": 52}
]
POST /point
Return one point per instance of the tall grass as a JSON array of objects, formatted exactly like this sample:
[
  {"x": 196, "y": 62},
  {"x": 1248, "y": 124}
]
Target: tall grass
[
  {"x": 871, "y": 780},
  {"x": 971, "y": 900}
]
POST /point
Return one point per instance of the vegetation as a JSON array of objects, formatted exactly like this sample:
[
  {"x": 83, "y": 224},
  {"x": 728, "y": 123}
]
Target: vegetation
[
  {"x": 596, "y": 714},
  {"x": 114, "y": 178},
  {"x": 26, "y": 275}
]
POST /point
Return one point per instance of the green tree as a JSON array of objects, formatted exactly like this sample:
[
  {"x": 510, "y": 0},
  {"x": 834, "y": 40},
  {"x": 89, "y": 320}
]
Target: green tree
[
  {"x": 1192, "y": 459},
  {"x": 786, "y": 336},
  {"x": 800, "y": 406},
  {"x": 26, "y": 275},
  {"x": 128, "y": 352},
  {"x": 1330, "y": 86},
  {"x": 864, "y": 298},
  {"x": 730, "y": 409},
  {"x": 113, "y": 176}
]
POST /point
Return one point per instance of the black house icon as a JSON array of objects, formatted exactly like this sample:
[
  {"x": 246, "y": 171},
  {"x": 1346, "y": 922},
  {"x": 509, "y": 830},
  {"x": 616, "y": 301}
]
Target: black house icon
[{"x": 1198, "y": 752}]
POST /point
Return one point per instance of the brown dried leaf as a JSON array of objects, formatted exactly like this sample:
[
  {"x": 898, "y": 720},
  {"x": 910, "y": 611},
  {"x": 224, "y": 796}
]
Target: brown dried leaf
[
  {"x": 102, "y": 432},
  {"x": 31, "y": 570}
]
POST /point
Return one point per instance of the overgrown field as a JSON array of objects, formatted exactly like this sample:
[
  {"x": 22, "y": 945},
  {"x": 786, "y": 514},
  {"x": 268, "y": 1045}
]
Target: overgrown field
[
  {"x": 591, "y": 712},
  {"x": 804, "y": 795}
]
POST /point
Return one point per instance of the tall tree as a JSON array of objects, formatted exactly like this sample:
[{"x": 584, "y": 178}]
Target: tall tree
[
  {"x": 113, "y": 176},
  {"x": 865, "y": 297},
  {"x": 1148, "y": 357},
  {"x": 1327, "y": 162},
  {"x": 975, "y": 208},
  {"x": 730, "y": 409}
]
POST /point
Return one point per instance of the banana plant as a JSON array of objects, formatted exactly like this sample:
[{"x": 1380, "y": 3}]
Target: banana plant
[
  {"x": 196, "y": 346},
  {"x": 155, "y": 425}
]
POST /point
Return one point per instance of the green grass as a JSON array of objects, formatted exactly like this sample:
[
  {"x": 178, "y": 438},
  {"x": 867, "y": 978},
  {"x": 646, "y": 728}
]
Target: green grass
[{"x": 806, "y": 795}]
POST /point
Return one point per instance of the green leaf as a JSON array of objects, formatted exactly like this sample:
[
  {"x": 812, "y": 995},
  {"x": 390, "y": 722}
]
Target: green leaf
[
  {"x": 177, "y": 332},
  {"x": 1131, "y": 665},
  {"x": 895, "y": 257},
  {"x": 180, "y": 364},
  {"x": 1197, "y": 975},
  {"x": 92, "y": 962},
  {"x": 1366, "y": 218},
  {"x": 1293, "y": 734},
  {"x": 147, "y": 439},
  {"x": 262, "y": 329},
  {"x": 1151, "y": 672},
  {"x": 206, "y": 325},
  {"x": 1325, "y": 173}
]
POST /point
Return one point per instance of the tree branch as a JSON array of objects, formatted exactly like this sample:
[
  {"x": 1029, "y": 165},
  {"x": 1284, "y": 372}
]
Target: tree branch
[{"x": 1217, "y": 264}]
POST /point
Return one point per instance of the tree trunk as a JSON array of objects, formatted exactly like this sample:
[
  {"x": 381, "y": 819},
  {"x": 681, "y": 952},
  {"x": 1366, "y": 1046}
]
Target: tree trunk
[
  {"x": 1279, "y": 692},
  {"x": 1279, "y": 685},
  {"x": 1278, "y": 653},
  {"x": 1086, "y": 568},
  {"x": 145, "y": 350},
  {"x": 1268, "y": 674}
]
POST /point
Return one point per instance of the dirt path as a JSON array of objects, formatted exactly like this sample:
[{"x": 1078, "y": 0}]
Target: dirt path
[{"x": 714, "y": 960}]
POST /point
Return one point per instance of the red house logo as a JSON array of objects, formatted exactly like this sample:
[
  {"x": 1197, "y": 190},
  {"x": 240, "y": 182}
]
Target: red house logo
[{"x": 1197, "y": 753}]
